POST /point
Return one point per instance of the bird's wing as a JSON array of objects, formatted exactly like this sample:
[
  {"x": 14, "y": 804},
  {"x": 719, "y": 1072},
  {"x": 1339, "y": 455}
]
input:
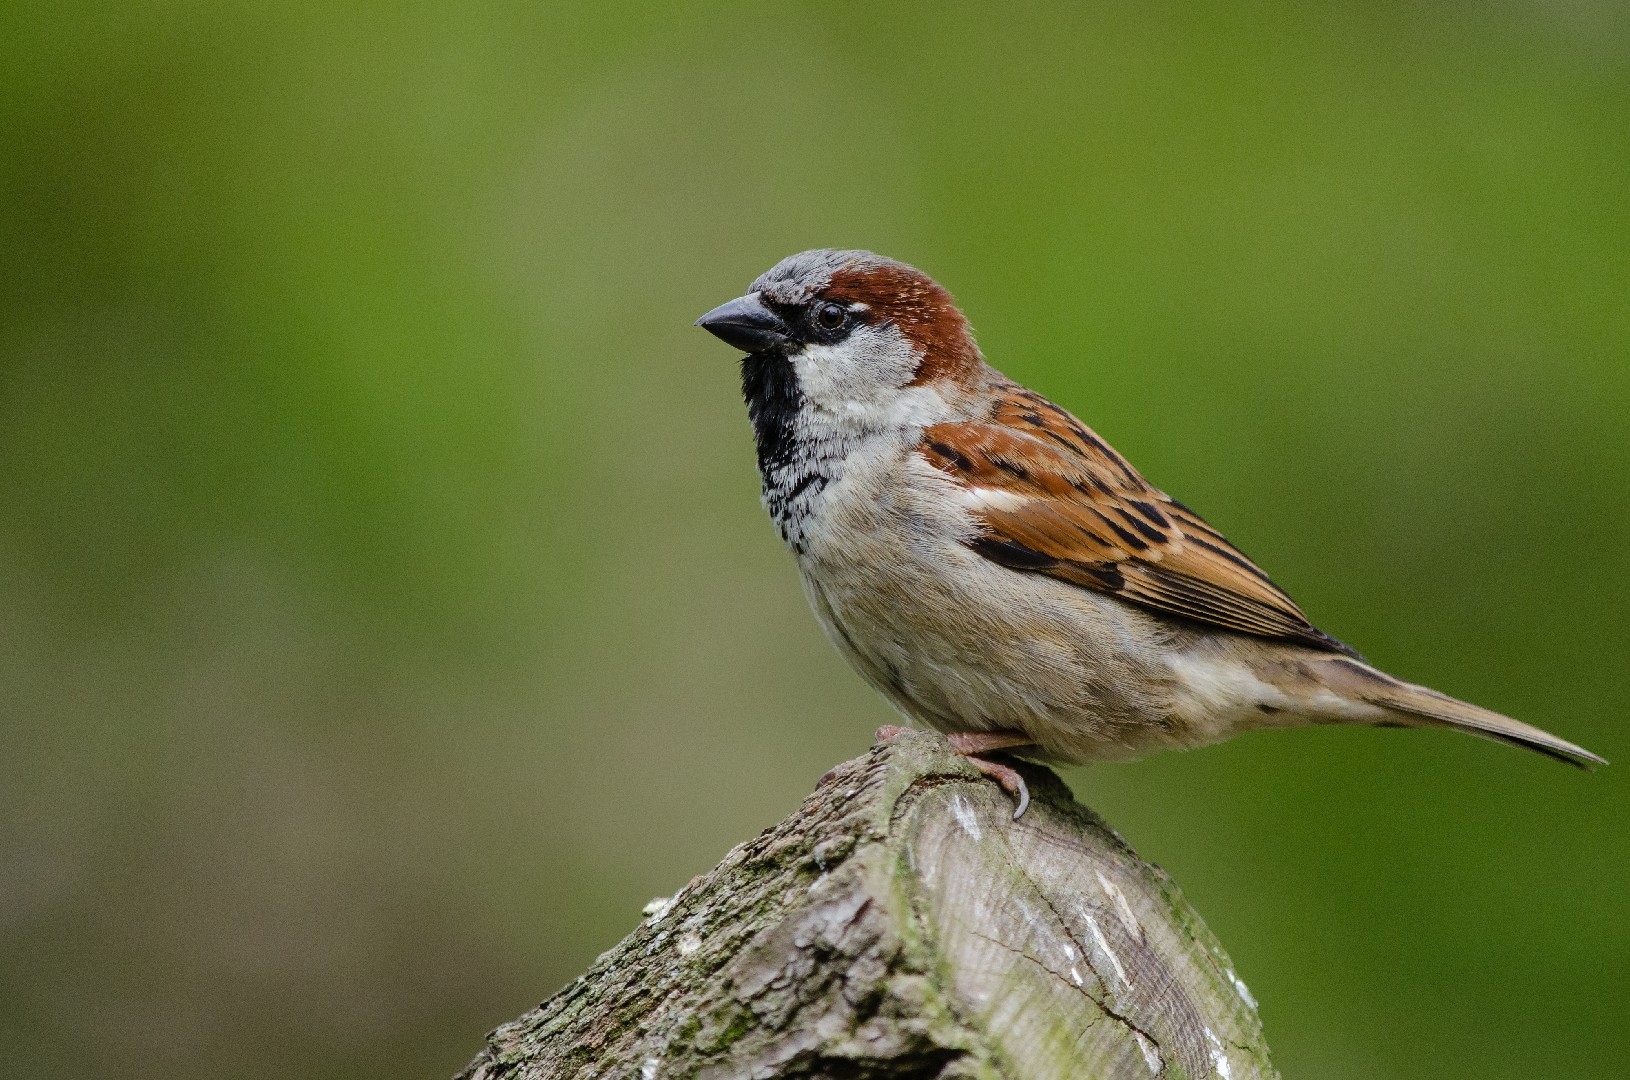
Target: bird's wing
[{"x": 1056, "y": 499}]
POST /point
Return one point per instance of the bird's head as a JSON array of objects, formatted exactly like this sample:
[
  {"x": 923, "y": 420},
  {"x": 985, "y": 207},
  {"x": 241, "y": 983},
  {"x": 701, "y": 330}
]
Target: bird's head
[{"x": 851, "y": 329}]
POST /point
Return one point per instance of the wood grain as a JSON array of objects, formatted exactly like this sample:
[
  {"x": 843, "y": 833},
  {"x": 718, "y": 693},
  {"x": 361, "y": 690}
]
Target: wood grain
[{"x": 900, "y": 924}]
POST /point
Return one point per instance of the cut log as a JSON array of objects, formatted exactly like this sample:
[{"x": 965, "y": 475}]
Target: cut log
[{"x": 901, "y": 924}]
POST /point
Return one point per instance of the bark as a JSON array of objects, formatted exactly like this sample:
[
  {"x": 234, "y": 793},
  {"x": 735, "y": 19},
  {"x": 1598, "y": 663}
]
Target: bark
[{"x": 901, "y": 924}]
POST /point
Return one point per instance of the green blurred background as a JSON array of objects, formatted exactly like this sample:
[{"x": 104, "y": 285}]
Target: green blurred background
[{"x": 386, "y": 612}]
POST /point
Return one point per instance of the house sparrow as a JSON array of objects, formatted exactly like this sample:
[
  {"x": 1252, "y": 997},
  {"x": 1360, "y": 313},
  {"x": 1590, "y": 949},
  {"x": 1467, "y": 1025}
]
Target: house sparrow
[{"x": 995, "y": 569}]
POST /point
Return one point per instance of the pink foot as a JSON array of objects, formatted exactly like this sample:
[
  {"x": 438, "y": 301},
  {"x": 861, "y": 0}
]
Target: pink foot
[
  {"x": 970, "y": 744},
  {"x": 1009, "y": 779}
]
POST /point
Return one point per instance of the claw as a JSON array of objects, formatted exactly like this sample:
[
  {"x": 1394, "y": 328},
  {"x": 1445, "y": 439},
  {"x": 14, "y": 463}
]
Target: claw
[
  {"x": 1007, "y": 777},
  {"x": 968, "y": 745}
]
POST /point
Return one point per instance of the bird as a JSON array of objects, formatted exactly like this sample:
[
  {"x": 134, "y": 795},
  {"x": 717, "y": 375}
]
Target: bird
[{"x": 996, "y": 570}]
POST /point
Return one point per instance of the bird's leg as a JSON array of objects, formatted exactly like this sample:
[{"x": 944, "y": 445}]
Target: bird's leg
[
  {"x": 970, "y": 744},
  {"x": 967, "y": 743}
]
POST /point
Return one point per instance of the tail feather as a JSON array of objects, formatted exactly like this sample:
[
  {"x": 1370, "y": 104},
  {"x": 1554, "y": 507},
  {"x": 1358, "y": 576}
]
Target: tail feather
[{"x": 1420, "y": 706}]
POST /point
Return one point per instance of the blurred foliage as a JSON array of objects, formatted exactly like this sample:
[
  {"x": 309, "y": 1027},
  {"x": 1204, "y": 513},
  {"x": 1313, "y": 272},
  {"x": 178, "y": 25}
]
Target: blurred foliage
[{"x": 385, "y": 608}]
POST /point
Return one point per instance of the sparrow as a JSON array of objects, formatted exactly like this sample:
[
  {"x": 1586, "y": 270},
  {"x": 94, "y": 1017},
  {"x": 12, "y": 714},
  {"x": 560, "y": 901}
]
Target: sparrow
[{"x": 996, "y": 570}]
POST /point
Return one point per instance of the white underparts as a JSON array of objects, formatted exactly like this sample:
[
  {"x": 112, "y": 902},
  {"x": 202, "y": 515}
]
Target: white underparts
[{"x": 1224, "y": 695}]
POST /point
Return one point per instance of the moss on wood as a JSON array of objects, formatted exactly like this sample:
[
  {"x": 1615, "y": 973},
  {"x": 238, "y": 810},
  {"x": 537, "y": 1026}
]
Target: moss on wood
[{"x": 900, "y": 924}]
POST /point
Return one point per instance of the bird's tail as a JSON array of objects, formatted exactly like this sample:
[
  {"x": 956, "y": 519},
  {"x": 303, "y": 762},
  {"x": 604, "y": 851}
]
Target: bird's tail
[{"x": 1418, "y": 706}]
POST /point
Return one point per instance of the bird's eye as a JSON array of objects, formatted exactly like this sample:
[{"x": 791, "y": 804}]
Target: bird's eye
[{"x": 831, "y": 316}]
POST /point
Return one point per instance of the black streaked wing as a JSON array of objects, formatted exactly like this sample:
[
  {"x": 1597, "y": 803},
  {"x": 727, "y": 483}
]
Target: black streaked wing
[{"x": 1056, "y": 499}]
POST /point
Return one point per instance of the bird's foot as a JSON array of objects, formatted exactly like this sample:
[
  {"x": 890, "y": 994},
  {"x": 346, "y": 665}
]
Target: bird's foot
[
  {"x": 1009, "y": 779},
  {"x": 884, "y": 734},
  {"x": 970, "y": 744}
]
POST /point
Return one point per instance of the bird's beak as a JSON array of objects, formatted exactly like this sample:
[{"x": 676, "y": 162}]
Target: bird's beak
[{"x": 746, "y": 324}]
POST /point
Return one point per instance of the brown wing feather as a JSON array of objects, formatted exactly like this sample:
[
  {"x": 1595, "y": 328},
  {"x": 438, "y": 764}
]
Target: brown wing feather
[{"x": 1056, "y": 499}]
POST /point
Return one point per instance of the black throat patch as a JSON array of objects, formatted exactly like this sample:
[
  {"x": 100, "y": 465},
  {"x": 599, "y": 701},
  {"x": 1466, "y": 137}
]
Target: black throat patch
[
  {"x": 773, "y": 401},
  {"x": 792, "y": 471}
]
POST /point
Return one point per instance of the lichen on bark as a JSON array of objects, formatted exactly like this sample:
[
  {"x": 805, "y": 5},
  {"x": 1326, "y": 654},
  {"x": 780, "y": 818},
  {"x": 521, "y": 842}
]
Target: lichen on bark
[{"x": 901, "y": 924}]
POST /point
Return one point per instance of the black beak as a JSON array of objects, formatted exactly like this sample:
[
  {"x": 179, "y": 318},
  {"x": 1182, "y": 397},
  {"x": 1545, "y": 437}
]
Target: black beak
[{"x": 746, "y": 324}]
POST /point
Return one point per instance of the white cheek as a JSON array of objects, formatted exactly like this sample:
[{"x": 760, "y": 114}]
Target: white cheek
[{"x": 859, "y": 381}]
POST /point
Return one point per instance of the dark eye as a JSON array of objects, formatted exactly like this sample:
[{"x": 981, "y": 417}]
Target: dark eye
[{"x": 831, "y": 316}]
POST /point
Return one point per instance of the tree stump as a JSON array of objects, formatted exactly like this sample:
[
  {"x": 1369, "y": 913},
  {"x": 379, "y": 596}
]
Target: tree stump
[{"x": 901, "y": 924}]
